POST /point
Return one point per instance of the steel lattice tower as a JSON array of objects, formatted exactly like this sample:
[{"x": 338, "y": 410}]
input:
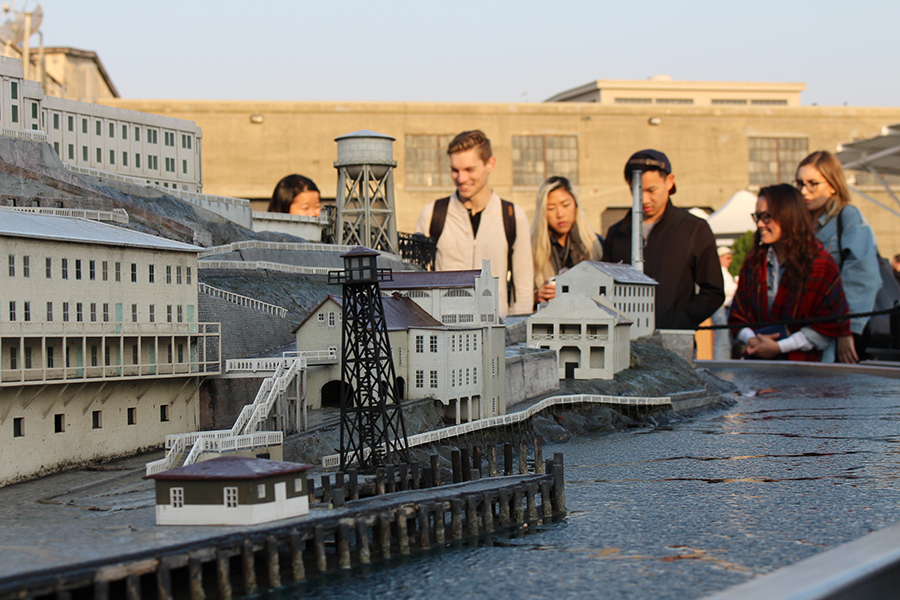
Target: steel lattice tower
[
  {"x": 365, "y": 191},
  {"x": 371, "y": 415}
]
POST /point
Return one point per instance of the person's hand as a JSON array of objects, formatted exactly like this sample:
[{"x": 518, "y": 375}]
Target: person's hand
[
  {"x": 545, "y": 292},
  {"x": 766, "y": 346},
  {"x": 846, "y": 350}
]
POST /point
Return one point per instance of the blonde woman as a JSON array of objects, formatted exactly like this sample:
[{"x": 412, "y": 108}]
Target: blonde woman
[
  {"x": 560, "y": 235},
  {"x": 847, "y": 237}
]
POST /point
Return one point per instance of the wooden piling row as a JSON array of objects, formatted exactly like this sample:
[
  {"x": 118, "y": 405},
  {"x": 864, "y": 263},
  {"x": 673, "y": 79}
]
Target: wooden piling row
[
  {"x": 466, "y": 464},
  {"x": 421, "y": 515}
]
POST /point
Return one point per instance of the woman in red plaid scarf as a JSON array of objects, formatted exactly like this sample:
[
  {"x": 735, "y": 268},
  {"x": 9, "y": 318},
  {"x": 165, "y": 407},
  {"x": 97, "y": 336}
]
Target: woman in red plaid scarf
[{"x": 788, "y": 275}]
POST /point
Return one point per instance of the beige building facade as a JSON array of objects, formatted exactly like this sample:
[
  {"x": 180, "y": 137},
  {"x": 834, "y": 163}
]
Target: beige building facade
[
  {"x": 715, "y": 149},
  {"x": 101, "y": 351}
]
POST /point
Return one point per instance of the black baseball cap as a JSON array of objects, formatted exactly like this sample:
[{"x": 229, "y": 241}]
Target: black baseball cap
[{"x": 648, "y": 160}]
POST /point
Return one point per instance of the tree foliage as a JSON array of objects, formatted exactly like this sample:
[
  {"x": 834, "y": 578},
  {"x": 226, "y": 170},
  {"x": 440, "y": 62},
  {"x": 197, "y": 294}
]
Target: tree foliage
[{"x": 741, "y": 249}]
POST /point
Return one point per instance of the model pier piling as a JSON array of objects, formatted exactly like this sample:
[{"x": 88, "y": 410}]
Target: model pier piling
[{"x": 426, "y": 512}]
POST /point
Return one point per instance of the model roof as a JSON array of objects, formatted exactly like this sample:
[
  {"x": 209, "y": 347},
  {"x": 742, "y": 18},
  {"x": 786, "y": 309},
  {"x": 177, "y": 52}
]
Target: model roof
[
  {"x": 412, "y": 280},
  {"x": 231, "y": 467},
  {"x": 400, "y": 313},
  {"x": 81, "y": 231},
  {"x": 622, "y": 272}
]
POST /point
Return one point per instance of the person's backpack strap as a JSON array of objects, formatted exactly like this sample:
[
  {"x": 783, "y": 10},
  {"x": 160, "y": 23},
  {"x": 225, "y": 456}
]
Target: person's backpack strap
[
  {"x": 438, "y": 217},
  {"x": 509, "y": 226},
  {"x": 842, "y": 253}
]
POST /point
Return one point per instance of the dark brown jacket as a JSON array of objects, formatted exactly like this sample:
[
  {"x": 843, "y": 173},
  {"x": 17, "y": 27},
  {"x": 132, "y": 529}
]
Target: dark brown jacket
[{"x": 680, "y": 254}]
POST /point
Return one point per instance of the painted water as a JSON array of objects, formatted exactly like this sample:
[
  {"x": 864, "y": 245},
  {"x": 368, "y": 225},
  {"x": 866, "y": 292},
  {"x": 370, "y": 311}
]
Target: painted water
[{"x": 801, "y": 463}]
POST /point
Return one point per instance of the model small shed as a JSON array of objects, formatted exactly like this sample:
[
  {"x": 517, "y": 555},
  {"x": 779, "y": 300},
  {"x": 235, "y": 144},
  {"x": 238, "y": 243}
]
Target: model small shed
[{"x": 231, "y": 490}]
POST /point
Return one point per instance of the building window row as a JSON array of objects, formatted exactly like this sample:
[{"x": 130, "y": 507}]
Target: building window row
[
  {"x": 60, "y": 425},
  {"x": 96, "y": 312},
  {"x": 534, "y": 158},
  {"x": 76, "y": 266}
]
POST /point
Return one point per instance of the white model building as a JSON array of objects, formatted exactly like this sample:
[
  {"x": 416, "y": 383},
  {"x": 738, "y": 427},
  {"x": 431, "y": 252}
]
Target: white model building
[
  {"x": 231, "y": 490},
  {"x": 451, "y": 297},
  {"x": 102, "y": 352},
  {"x": 591, "y": 338},
  {"x": 628, "y": 290},
  {"x": 462, "y": 366}
]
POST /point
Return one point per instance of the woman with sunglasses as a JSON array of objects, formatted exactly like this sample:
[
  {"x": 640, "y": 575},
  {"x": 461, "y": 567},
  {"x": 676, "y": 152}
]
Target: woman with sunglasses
[
  {"x": 560, "y": 235},
  {"x": 788, "y": 275},
  {"x": 847, "y": 237}
]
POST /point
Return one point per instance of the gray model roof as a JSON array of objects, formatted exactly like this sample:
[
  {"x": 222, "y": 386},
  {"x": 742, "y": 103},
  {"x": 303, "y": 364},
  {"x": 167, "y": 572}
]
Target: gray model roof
[
  {"x": 622, "y": 272},
  {"x": 231, "y": 467},
  {"x": 81, "y": 231},
  {"x": 400, "y": 313},
  {"x": 412, "y": 280},
  {"x": 619, "y": 317}
]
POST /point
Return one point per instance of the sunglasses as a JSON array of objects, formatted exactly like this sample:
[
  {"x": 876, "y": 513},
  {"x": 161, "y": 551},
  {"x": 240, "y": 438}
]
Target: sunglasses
[{"x": 765, "y": 217}]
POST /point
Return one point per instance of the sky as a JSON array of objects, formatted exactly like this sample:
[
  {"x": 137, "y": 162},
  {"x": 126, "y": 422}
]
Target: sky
[{"x": 476, "y": 51}]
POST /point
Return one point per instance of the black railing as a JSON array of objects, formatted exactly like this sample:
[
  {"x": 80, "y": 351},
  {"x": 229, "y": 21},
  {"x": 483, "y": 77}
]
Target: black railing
[{"x": 417, "y": 248}]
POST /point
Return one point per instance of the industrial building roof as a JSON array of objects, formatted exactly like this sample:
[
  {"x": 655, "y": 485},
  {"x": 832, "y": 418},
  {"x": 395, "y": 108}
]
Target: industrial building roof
[
  {"x": 81, "y": 231},
  {"x": 231, "y": 467},
  {"x": 411, "y": 280}
]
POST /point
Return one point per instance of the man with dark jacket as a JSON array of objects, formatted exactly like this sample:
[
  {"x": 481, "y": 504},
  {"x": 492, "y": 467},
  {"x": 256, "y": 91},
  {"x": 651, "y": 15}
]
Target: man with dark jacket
[{"x": 679, "y": 248}]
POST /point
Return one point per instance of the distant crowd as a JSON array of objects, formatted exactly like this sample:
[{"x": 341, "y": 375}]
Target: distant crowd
[{"x": 813, "y": 253}]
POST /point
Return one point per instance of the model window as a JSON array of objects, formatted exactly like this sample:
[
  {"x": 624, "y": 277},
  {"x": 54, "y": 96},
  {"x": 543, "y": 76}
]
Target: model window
[
  {"x": 71, "y": 151},
  {"x": 168, "y": 274},
  {"x": 93, "y": 312},
  {"x": 105, "y": 270},
  {"x": 79, "y": 312},
  {"x": 178, "y": 275},
  {"x": 112, "y": 157},
  {"x": 106, "y": 312},
  {"x": 151, "y": 275},
  {"x": 19, "y": 426},
  {"x": 84, "y": 153},
  {"x": 78, "y": 268},
  {"x": 180, "y": 313},
  {"x": 231, "y": 497},
  {"x": 133, "y": 272},
  {"x": 176, "y": 497},
  {"x": 92, "y": 270},
  {"x": 331, "y": 320},
  {"x": 163, "y": 413},
  {"x": 132, "y": 416},
  {"x": 12, "y": 265},
  {"x": 433, "y": 343},
  {"x": 26, "y": 310},
  {"x": 124, "y": 159},
  {"x": 137, "y": 134},
  {"x": 65, "y": 311},
  {"x": 48, "y": 268},
  {"x": 100, "y": 156},
  {"x": 134, "y": 313},
  {"x": 71, "y": 123},
  {"x": 51, "y": 357},
  {"x": 137, "y": 161},
  {"x": 169, "y": 315},
  {"x": 98, "y": 126},
  {"x": 96, "y": 418},
  {"x": 12, "y": 310},
  {"x": 187, "y": 274},
  {"x": 261, "y": 490},
  {"x": 420, "y": 379},
  {"x": 420, "y": 343},
  {"x": 152, "y": 315},
  {"x": 118, "y": 272},
  {"x": 49, "y": 311}
]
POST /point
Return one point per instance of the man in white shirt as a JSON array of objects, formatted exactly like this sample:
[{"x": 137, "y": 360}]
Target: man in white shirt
[{"x": 475, "y": 224}]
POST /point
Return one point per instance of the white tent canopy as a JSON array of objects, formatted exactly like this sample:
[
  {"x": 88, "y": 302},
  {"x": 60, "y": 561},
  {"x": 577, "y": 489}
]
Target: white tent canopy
[{"x": 733, "y": 219}]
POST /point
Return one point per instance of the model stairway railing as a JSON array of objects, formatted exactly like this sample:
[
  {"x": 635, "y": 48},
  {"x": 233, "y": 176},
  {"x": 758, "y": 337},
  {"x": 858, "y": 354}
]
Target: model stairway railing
[{"x": 243, "y": 435}]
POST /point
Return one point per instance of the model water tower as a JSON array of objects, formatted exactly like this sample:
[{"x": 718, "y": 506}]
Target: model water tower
[{"x": 365, "y": 191}]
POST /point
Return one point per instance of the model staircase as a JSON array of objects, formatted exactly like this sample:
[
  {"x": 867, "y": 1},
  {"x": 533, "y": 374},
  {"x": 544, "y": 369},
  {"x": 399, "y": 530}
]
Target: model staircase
[{"x": 246, "y": 432}]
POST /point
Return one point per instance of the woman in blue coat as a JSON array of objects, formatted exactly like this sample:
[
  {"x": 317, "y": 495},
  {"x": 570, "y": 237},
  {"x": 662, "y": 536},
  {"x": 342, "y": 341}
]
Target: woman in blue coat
[{"x": 847, "y": 237}]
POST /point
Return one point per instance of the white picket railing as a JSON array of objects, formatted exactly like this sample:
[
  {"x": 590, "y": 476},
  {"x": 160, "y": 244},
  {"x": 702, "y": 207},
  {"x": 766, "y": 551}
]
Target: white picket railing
[
  {"x": 295, "y": 247},
  {"x": 242, "y": 434},
  {"x": 260, "y": 265},
  {"x": 242, "y": 300},
  {"x": 429, "y": 437},
  {"x": 117, "y": 215}
]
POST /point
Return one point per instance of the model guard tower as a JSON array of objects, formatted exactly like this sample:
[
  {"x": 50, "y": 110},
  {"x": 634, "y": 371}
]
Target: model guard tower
[
  {"x": 365, "y": 191},
  {"x": 371, "y": 416}
]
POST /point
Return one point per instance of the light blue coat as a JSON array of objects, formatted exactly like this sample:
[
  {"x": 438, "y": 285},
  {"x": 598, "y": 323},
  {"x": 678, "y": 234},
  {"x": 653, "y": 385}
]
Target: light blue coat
[{"x": 859, "y": 273}]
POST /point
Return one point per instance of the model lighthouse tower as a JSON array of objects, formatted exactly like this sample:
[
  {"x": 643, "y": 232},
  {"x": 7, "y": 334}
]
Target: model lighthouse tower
[{"x": 372, "y": 426}]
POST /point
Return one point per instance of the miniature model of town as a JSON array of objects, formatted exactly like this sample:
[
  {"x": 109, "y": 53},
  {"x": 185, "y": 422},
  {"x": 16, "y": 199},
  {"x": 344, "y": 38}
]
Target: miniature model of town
[{"x": 296, "y": 395}]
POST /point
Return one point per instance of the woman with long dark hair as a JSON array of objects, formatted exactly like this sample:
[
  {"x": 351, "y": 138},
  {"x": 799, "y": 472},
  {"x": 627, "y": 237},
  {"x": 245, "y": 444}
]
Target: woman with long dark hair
[
  {"x": 847, "y": 237},
  {"x": 560, "y": 235},
  {"x": 787, "y": 275},
  {"x": 296, "y": 195}
]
